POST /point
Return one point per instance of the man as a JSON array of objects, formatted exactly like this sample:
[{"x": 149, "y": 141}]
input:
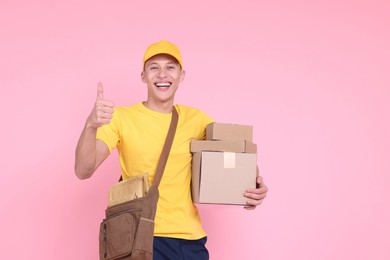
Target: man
[{"x": 138, "y": 132}]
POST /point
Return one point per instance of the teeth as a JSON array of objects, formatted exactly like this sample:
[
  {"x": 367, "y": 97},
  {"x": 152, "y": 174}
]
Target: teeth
[{"x": 163, "y": 84}]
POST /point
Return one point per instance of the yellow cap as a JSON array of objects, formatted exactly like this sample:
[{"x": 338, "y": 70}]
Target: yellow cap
[{"x": 163, "y": 47}]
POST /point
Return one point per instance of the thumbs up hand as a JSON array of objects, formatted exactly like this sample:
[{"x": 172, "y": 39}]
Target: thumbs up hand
[{"x": 102, "y": 111}]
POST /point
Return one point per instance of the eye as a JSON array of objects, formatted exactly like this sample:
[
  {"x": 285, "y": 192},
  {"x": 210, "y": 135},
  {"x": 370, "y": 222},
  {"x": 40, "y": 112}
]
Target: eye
[{"x": 153, "y": 68}]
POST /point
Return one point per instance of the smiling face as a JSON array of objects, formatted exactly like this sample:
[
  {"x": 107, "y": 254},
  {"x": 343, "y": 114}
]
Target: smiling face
[{"x": 162, "y": 75}]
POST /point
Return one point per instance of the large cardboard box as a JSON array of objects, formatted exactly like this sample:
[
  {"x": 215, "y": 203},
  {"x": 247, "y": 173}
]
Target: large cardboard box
[
  {"x": 223, "y": 146},
  {"x": 222, "y": 178},
  {"x": 219, "y": 131}
]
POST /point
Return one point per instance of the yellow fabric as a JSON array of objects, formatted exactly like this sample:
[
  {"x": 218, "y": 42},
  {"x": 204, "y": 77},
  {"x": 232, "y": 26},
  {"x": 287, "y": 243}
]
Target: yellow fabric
[
  {"x": 163, "y": 47},
  {"x": 139, "y": 135}
]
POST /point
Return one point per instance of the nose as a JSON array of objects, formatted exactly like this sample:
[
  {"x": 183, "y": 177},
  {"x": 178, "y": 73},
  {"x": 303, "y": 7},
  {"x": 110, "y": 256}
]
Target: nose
[{"x": 162, "y": 73}]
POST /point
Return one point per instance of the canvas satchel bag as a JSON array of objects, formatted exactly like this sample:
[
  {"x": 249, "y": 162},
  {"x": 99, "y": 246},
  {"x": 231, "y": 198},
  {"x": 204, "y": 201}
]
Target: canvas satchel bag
[{"x": 127, "y": 231}]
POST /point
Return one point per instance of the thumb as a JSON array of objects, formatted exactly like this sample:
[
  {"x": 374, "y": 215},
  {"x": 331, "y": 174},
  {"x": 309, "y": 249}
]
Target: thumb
[{"x": 100, "y": 91}]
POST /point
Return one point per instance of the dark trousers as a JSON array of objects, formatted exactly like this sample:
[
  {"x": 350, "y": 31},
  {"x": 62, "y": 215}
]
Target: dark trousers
[{"x": 165, "y": 248}]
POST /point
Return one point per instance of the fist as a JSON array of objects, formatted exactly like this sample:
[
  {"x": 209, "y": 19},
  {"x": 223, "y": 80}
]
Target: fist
[{"x": 102, "y": 111}]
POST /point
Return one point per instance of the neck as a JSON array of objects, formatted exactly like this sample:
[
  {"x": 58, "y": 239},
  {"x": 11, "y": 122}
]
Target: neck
[{"x": 163, "y": 107}]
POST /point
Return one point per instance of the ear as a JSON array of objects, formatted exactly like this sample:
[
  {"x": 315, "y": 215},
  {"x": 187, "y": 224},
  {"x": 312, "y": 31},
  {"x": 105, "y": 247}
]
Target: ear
[
  {"x": 143, "y": 77},
  {"x": 182, "y": 75}
]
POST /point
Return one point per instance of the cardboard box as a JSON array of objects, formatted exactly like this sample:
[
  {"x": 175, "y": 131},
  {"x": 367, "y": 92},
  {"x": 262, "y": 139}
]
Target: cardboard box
[
  {"x": 218, "y": 131},
  {"x": 128, "y": 189},
  {"x": 222, "y": 178},
  {"x": 223, "y": 146}
]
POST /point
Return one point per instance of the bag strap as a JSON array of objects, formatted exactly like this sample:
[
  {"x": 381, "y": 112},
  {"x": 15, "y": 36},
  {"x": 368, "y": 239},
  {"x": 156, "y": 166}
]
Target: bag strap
[{"x": 166, "y": 149}]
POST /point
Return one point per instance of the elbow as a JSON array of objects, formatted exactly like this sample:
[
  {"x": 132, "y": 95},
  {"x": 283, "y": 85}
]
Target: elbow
[{"x": 82, "y": 174}]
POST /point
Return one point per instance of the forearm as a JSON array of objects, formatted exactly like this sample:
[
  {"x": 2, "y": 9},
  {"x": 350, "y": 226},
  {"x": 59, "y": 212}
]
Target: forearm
[
  {"x": 85, "y": 162},
  {"x": 90, "y": 152}
]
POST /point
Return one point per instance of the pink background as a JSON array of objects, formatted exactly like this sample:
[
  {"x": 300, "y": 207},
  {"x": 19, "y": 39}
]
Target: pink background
[{"x": 312, "y": 77}]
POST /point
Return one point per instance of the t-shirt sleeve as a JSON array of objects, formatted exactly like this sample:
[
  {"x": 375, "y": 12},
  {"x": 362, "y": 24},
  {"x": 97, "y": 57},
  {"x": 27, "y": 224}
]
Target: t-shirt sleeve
[
  {"x": 204, "y": 120},
  {"x": 110, "y": 133}
]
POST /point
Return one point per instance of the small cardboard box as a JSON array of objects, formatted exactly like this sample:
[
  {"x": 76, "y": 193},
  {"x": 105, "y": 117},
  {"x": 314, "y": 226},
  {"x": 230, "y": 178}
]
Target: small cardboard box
[
  {"x": 223, "y": 146},
  {"x": 222, "y": 178},
  {"x": 128, "y": 189},
  {"x": 218, "y": 131}
]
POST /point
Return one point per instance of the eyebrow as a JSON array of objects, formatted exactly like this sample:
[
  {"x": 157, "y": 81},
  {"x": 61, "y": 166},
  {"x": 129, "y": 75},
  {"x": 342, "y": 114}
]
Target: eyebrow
[{"x": 168, "y": 63}]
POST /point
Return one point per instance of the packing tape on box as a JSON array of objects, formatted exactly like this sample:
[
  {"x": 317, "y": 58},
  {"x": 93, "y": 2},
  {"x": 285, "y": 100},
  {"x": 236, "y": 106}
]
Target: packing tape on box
[{"x": 229, "y": 160}]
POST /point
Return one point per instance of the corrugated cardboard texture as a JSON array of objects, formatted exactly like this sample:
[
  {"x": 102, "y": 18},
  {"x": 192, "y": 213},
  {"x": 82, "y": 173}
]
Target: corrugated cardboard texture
[
  {"x": 215, "y": 184},
  {"x": 129, "y": 189},
  {"x": 218, "y": 131},
  {"x": 195, "y": 179},
  {"x": 223, "y": 146}
]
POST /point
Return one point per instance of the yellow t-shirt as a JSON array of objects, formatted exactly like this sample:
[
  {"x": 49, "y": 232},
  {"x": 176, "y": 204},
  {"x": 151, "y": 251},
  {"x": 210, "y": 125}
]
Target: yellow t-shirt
[{"x": 139, "y": 135}]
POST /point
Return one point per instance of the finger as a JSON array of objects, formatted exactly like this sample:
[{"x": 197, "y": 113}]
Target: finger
[
  {"x": 104, "y": 103},
  {"x": 103, "y": 115},
  {"x": 259, "y": 181},
  {"x": 261, "y": 188},
  {"x": 103, "y": 121},
  {"x": 255, "y": 196},
  {"x": 255, "y": 199},
  {"x": 100, "y": 91},
  {"x": 252, "y": 204},
  {"x": 106, "y": 110},
  {"x": 102, "y": 107}
]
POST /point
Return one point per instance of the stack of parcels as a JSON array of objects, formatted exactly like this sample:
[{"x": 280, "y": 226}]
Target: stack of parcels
[{"x": 224, "y": 165}]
